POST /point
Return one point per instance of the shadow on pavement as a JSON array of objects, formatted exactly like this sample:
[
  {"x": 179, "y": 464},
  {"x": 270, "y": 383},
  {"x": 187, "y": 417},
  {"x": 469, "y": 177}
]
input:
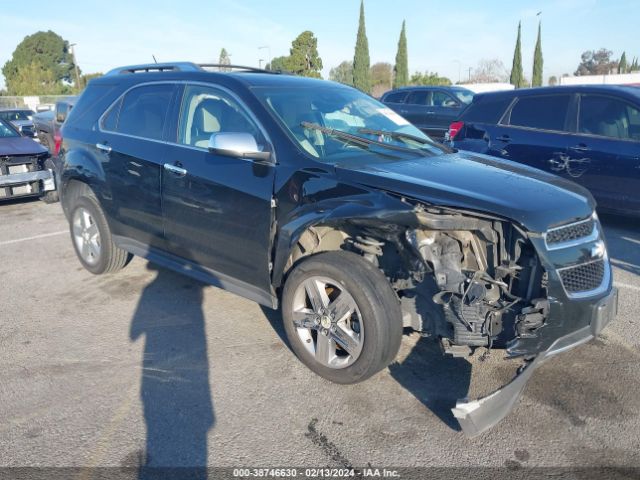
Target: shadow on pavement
[
  {"x": 438, "y": 381},
  {"x": 175, "y": 389}
]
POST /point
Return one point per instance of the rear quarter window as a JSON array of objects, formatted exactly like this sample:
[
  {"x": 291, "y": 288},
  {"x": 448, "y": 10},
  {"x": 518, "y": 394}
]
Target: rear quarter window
[{"x": 486, "y": 109}]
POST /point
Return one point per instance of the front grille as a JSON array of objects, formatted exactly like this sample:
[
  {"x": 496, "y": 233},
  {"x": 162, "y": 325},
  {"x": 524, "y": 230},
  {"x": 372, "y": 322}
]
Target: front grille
[
  {"x": 583, "y": 278},
  {"x": 568, "y": 233}
]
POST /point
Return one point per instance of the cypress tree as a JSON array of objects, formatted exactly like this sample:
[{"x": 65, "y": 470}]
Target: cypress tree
[
  {"x": 517, "y": 76},
  {"x": 401, "y": 70},
  {"x": 361, "y": 61},
  {"x": 622, "y": 66},
  {"x": 536, "y": 79}
]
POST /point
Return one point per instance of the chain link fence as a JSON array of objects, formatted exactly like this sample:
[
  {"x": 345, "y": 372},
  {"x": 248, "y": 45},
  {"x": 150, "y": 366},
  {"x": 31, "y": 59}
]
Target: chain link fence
[{"x": 35, "y": 102}]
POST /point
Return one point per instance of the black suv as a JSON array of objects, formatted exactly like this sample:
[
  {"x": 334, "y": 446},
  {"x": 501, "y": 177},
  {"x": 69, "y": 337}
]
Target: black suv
[
  {"x": 588, "y": 134},
  {"x": 315, "y": 198}
]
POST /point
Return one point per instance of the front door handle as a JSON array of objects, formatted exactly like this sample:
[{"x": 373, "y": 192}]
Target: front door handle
[
  {"x": 431, "y": 113},
  {"x": 503, "y": 138},
  {"x": 103, "y": 147},
  {"x": 175, "y": 169}
]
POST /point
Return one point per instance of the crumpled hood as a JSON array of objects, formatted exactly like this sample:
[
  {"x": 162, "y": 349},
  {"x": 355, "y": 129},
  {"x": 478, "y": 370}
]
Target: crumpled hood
[
  {"x": 535, "y": 199},
  {"x": 20, "y": 146}
]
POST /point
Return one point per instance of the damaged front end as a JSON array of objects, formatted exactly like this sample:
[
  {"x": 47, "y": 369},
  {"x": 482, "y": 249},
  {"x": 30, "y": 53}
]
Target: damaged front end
[
  {"x": 474, "y": 280},
  {"x": 486, "y": 282}
]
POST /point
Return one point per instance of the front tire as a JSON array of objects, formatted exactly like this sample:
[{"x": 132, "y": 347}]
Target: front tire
[
  {"x": 92, "y": 238},
  {"x": 341, "y": 316}
]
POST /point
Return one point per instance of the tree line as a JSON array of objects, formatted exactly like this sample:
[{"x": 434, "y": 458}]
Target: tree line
[{"x": 44, "y": 64}]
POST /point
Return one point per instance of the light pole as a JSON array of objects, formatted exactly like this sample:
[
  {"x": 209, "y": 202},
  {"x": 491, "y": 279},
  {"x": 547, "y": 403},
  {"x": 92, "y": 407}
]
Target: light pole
[
  {"x": 75, "y": 64},
  {"x": 268, "y": 48},
  {"x": 459, "y": 67}
]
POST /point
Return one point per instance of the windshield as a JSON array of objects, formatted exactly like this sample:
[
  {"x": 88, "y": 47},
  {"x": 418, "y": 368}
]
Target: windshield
[
  {"x": 6, "y": 131},
  {"x": 465, "y": 96},
  {"x": 13, "y": 115},
  {"x": 318, "y": 118}
]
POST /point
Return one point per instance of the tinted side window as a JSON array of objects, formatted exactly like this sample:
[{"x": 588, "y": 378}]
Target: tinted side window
[
  {"x": 486, "y": 109},
  {"x": 419, "y": 97},
  {"x": 441, "y": 99},
  {"x": 546, "y": 112},
  {"x": 395, "y": 97},
  {"x": 144, "y": 111},
  {"x": 608, "y": 117},
  {"x": 206, "y": 111}
]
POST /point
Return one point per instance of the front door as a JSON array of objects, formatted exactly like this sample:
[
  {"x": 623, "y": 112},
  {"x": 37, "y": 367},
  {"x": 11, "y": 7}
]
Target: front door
[{"x": 217, "y": 209}]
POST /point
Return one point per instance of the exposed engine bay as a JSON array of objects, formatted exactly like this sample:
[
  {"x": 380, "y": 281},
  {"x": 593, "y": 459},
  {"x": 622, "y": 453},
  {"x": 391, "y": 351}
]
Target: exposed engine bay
[{"x": 471, "y": 282}]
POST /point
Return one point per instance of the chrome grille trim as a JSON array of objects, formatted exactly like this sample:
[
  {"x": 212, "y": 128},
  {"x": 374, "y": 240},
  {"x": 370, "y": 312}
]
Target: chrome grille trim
[
  {"x": 554, "y": 238},
  {"x": 601, "y": 288}
]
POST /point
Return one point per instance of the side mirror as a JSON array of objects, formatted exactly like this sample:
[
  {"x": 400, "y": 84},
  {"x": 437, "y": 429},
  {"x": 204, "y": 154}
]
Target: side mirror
[{"x": 237, "y": 145}]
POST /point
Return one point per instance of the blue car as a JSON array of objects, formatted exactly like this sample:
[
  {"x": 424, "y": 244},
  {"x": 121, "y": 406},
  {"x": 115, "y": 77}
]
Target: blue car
[
  {"x": 431, "y": 109},
  {"x": 587, "y": 134}
]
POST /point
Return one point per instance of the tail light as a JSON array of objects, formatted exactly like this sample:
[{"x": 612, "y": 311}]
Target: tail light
[
  {"x": 454, "y": 129},
  {"x": 57, "y": 143}
]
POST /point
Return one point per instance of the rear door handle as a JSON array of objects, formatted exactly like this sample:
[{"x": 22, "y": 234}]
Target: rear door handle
[
  {"x": 504, "y": 138},
  {"x": 103, "y": 147},
  {"x": 431, "y": 113},
  {"x": 175, "y": 169}
]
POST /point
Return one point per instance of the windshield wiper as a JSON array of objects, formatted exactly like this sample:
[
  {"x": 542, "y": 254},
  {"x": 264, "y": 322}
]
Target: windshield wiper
[
  {"x": 407, "y": 136},
  {"x": 356, "y": 139}
]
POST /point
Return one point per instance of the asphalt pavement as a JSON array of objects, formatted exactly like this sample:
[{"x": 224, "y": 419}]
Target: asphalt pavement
[{"x": 149, "y": 366}]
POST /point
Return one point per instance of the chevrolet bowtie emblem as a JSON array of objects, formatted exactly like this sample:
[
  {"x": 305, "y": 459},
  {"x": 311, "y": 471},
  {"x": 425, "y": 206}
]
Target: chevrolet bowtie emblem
[{"x": 598, "y": 250}]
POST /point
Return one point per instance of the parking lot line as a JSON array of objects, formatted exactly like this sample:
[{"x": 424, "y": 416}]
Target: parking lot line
[
  {"x": 35, "y": 237},
  {"x": 626, "y": 285}
]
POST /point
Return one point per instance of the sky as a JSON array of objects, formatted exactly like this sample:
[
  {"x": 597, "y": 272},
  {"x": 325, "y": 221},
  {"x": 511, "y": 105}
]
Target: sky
[{"x": 447, "y": 37}]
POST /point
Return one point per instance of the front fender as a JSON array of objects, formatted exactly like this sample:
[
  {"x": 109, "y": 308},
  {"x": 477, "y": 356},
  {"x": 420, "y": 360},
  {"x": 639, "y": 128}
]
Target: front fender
[{"x": 371, "y": 208}]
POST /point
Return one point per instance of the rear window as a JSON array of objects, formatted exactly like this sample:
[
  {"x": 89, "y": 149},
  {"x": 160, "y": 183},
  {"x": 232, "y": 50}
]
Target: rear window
[
  {"x": 395, "y": 97},
  {"x": 545, "y": 112},
  {"x": 144, "y": 110},
  {"x": 486, "y": 109}
]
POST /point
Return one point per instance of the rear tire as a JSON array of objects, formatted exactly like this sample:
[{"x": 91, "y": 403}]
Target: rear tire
[
  {"x": 92, "y": 240},
  {"x": 348, "y": 340}
]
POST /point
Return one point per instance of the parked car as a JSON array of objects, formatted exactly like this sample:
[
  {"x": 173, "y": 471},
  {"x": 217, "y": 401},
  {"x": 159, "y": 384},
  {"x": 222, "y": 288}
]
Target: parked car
[
  {"x": 47, "y": 124},
  {"x": 312, "y": 197},
  {"x": 431, "y": 109},
  {"x": 587, "y": 134},
  {"x": 25, "y": 167},
  {"x": 21, "y": 119}
]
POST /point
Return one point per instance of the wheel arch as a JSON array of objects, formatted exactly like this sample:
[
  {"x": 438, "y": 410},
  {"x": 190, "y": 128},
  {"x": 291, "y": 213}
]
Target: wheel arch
[{"x": 327, "y": 226}]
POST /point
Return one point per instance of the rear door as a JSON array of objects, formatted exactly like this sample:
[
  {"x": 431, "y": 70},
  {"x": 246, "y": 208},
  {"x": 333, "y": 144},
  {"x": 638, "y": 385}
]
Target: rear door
[
  {"x": 217, "y": 209},
  {"x": 604, "y": 154},
  {"x": 535, "y": 131},
  {"x": 131, "y": 147},
  {"x": 395, "y": 100}
]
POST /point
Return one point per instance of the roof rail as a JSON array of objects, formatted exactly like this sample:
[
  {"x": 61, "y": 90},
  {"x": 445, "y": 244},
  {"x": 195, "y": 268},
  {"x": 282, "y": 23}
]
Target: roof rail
[
  {"x": 223, "y": 67},
  {"x": 183, "y": 67},
  {"x": 156, "y": 67}
]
